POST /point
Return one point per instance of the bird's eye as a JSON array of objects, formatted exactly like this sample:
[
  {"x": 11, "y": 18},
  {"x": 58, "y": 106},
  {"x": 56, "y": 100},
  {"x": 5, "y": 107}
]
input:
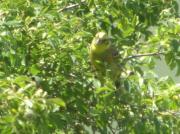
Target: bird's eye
[
  {"x": 103, "y": 40},
  {"x": 100, "y": 41}
]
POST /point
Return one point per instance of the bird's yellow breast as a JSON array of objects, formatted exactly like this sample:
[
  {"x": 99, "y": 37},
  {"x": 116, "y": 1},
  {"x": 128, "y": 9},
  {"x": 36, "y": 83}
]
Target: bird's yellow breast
[{"x": 98, "y": 49}]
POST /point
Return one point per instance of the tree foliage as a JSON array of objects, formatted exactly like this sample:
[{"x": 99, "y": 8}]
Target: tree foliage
[{"x": 46, "y": 81}]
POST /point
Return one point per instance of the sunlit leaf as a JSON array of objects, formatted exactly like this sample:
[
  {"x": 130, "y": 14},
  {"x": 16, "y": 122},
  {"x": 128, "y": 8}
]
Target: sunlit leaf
[{"x": 57, "y": 101}]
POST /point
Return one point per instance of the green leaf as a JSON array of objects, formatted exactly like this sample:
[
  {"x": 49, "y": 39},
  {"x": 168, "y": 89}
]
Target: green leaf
[
  {"x": 127, "y": 85},
  {"x": 34, "y": 70},
  {"x": 21, "y": 80},
  {"x": 8, "y": 119},
  {"x": 57, "y": 101},
  {"x": 13, "y": 23},
  {"x": 169, "y": 57},
  {"x": 102, "y": 89}
]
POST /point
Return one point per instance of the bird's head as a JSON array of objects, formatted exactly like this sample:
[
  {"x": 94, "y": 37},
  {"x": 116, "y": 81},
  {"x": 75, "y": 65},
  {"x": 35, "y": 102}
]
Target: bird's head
[
  {"x": 101, "y": 38},
  {"x": 101, "y": 41}
]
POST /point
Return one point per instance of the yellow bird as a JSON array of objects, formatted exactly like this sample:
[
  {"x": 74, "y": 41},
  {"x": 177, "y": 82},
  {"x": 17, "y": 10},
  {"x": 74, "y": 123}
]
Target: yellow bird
[{"x": 103, "y": 57}]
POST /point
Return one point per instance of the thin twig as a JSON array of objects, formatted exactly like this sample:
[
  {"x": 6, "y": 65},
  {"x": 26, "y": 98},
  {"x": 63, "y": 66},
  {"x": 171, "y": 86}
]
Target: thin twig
[
  {"x": 111, "y": 128},
  {"x": 71, "y": 6},
  {"x": 170, "y": 113},
  {"x": 142, "y": 55}
]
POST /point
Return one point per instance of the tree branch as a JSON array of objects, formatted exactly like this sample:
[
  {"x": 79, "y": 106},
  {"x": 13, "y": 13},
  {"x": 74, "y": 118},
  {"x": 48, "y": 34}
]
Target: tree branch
[
  {"x": 111, "y": 128},
  {"x": 142, "y": 55},
  {"x": 71, "y": 6}
]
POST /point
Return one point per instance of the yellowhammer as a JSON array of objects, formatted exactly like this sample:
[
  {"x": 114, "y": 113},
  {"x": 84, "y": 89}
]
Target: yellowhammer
[{"x": 104, "y": 57}]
